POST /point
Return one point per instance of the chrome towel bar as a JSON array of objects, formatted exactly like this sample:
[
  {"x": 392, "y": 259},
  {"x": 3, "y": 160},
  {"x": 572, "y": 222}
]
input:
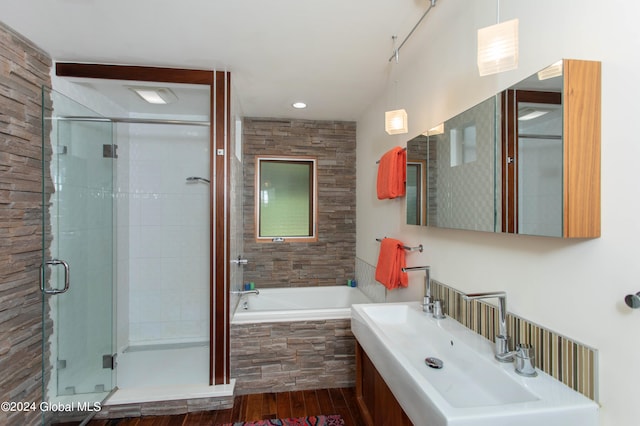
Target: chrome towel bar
[
  {"x": 418, "y": 248},
  {"x": 378, "y": 162}
]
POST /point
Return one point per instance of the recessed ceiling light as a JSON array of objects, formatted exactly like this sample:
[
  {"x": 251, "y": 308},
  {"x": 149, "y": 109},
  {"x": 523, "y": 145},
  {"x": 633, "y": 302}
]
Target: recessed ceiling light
[
  {"x": 155, "y": 95},
  {"x": 299, "y": 105}
]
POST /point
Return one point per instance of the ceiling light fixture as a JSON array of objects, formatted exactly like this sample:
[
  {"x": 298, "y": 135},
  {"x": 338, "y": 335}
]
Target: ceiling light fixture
[
  {"x": 498, "y": 46},
  {"x": 299, "y": 105},
  {"x": 396, "y": 52},
  {"x": 396, "y": 122},
  {"x": 155, "y": 95}
]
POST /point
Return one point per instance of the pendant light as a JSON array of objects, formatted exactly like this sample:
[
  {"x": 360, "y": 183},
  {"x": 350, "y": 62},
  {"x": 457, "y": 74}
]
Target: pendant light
[
  {"x": 498, "y": 46},
  {"x": 396, "y": 121}
]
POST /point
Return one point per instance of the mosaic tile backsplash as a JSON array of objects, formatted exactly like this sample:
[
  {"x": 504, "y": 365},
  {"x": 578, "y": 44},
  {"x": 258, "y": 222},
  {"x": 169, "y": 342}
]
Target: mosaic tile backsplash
[{"x": 571, "y": 362}]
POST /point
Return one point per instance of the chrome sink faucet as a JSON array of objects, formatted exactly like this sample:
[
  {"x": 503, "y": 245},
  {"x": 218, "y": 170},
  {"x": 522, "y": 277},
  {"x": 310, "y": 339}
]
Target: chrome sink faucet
[
  {"x": 427, "y": 303},
  {"x": 502, "y": 353}
]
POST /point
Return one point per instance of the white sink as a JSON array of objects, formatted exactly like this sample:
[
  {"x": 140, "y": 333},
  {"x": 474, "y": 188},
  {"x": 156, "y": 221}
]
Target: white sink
[{"x": 472, "y": 388}]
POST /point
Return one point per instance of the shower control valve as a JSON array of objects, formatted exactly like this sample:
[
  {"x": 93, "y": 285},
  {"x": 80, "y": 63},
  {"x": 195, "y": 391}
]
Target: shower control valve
[{"x": 240, "y": 261}]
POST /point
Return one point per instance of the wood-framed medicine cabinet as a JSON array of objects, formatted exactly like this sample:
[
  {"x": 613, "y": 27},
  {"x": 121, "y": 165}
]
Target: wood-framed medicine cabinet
[{"x": 525, "y": 161}]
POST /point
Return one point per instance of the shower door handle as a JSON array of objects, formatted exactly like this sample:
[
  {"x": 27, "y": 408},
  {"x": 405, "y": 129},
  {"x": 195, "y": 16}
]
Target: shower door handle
[{"x": 54, "y": 291}]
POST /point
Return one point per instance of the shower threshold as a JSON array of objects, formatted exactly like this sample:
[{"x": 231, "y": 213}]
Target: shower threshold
[{"x": 145, "y": 394}]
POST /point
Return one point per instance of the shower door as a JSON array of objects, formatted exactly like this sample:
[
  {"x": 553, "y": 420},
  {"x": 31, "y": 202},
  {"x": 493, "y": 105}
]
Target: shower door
[{"x": 78, "y": 250}]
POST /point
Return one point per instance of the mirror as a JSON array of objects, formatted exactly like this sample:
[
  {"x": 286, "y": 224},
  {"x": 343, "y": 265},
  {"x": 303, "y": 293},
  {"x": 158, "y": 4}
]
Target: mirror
[
  {"x": 500, "y": 165},
  {"x": 531, "y": 155},
  {"x": 460, "y": 158},
  {"x": 416, "y": 194}
]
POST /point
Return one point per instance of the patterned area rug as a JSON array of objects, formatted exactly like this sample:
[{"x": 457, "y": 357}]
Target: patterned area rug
[{"x": 333, "y": 420}]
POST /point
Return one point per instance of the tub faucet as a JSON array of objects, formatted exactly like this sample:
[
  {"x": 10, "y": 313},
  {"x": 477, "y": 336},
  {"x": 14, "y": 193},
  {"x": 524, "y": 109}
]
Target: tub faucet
[
  {"x": 502, "y": 353},
  {"x": 427, "y": 303},
  {"x": 243, "y": 292}
]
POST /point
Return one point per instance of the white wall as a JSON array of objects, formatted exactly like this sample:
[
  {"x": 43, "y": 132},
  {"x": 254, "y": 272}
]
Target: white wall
[{"x": 573, "y": 287}]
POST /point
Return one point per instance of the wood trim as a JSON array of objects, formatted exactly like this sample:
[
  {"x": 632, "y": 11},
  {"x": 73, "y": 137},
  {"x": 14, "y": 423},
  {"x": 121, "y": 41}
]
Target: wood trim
[
  {"x": 313, "y": 190},
  {"x": 213, "y": 246},
  {"x": 137, "y": 73},
  {"x": 220, "y": 312},
  {"x": 228, "y": 212},
  {"x": 218, "y": 139},
  {"x": 582, "y": 134},
  {"x": 509, "y": 169},
  {"x": 539, "y": 97}
]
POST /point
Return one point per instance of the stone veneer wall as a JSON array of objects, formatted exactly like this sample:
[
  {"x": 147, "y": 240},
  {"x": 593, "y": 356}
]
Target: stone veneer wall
[
  {"x": 23, "y": 70},
  {"x": 330, "y": 260},
  {"x": 288, "y": 356},
  {"x": 164, "y": 408}
]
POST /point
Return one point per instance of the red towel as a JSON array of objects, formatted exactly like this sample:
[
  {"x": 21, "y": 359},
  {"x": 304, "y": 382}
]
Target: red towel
[
  {"x": 392, "y": 174},
  {"x": 391, "y": 260}
]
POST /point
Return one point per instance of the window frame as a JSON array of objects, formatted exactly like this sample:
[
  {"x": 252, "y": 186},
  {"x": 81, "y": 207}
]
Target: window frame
[{"x": 313, "y": 213}]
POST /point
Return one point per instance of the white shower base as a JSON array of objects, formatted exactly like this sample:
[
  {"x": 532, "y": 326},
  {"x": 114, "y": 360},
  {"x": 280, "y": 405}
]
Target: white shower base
[{"x": 165, "y": 373}]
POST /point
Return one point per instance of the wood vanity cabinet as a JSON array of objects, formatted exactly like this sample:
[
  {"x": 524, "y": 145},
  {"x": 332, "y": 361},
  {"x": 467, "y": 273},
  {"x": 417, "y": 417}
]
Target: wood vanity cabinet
[{"x": 378, "y": 405}]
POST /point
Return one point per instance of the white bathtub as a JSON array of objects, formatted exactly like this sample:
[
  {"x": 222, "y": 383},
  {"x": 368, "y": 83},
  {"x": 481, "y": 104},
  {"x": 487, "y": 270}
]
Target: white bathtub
[{"x": 298, "y": 304}]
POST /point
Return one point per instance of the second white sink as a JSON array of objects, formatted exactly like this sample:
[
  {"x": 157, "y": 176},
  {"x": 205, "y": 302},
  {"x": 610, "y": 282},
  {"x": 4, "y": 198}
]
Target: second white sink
[{"x": 471, "y": 388}]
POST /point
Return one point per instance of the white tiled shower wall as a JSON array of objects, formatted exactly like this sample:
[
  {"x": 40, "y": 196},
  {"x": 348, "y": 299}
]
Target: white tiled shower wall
[{"x": 163, "y": 227}]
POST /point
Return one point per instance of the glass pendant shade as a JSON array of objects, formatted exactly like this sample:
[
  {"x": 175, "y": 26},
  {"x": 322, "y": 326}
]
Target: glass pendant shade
[
  {"x": 498, "y": 48},
  {"x": 395, "y": 122}
]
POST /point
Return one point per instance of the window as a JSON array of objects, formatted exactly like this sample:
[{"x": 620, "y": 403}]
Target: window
[{"x": 286, "y": 195}]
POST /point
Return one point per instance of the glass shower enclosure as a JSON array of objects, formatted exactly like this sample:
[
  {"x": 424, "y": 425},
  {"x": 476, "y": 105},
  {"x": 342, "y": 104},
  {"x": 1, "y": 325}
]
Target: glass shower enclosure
[{"x": 77, "y": 277}]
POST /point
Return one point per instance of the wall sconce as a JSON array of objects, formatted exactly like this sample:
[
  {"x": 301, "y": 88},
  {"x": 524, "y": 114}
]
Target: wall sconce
[
  {"x": 396, "y": 122},
  {"x": 437, "y": 130},
  {"x": 498, "y": 48},
  {"x": 554, "y": 70}
]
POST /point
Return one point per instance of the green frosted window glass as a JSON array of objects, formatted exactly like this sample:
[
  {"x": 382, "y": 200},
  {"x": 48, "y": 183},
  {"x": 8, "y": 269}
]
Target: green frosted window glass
[{"x": 286, "y": 198}]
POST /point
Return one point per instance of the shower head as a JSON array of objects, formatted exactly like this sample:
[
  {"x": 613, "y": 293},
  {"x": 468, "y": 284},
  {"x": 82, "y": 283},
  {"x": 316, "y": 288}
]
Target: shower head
[{"x": 194, "y": 179}]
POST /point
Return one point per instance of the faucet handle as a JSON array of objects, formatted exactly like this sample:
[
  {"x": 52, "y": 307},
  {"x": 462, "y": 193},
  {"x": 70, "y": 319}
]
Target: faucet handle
[
  {"x": 437, "y": 309},
  {"x": 525, "y": 356},
  {"x": 525, "y": 350}
]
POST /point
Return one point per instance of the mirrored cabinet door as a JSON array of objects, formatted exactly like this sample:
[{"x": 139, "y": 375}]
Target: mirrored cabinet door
[{"x": 525, "y": 161}]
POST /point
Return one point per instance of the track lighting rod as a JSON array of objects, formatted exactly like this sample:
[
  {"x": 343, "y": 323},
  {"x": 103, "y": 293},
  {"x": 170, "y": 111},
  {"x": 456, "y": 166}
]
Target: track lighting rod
[{"x": 397, "y": 51}]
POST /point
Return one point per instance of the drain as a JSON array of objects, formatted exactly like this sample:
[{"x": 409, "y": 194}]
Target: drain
[{"x": 433, "y": 362}]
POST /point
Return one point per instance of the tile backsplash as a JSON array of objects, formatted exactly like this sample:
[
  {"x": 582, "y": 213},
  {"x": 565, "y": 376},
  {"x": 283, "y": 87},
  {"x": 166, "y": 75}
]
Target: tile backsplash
[{"x": 571, "y": 362}]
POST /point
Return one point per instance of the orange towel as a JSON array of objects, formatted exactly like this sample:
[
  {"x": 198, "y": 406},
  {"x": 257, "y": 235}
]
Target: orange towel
[
  {"x": 392, "y": 174},
  {"x": 391, "y": 260}
]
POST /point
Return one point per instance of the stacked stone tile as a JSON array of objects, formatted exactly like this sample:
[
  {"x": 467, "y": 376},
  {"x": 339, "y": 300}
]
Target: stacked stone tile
[
  {"x": 330, "y": 260},
  {"x": 291, "y": 356},
  {"x": 24, "y": 69}
]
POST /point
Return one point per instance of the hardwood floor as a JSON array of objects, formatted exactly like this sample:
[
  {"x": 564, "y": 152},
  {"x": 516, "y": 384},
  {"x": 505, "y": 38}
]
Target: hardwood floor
[{"x": 261, "y": 406}]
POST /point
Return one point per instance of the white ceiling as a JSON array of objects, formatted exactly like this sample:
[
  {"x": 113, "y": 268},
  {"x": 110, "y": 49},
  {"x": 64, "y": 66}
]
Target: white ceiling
[{"x": 331, "y": 54}]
